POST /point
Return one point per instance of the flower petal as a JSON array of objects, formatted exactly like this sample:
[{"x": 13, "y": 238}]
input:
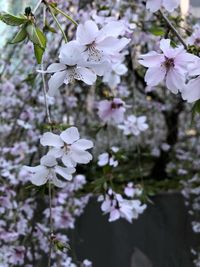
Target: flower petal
[
  {"x": 86, "y": 75},
  {"x": 87, "y": 32},
  {"x": 80, "y": 156},
  {"x": 82, "y": 144},
  {"x": 154, "y": 76},
  {"x": 65, "y": 172},
  {"x": 70, "y": 135},
  {"x": 48, "y": 161},
  {"x": 67, "y": 161},
  {"x": 51, "y": 139},
  {"x": 174, "y": 81},
  {"x": 40, "y": 177},
  {"x": 56, "y": 80}
]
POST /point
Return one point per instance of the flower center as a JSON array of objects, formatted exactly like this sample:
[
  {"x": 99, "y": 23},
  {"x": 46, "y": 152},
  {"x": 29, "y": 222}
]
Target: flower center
[
  {"x": 93, "y": 53},
  {"x": 169, "y": 63},
  {"x": 116, "y": 105}
]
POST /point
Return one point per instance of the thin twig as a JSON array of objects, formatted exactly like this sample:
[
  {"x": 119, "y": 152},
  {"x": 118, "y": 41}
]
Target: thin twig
[
  {"x": 173, "y": 29},
  {"x": 51, "y": 225}
]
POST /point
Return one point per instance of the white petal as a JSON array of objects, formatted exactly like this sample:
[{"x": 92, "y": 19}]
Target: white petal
[
  {"x": 113, "y": 28},
  {"x": 56, "y": 80},
  {"x": 67, "y": 161},
  {"x": 40, "y": 177},
  {"x": 82, "y": 144},
  {"x": 57, "y": 182},
  {"x": 70, "y": 53},
  {"x": 114, "y": 215},
  {"x": 111, "y": 45},
  {"x": 48, "y": 161},
  {"x": 79, "y": 156},
  {"x": 56, "y": 152},
  {"x": 153, "y": 5},
  {"x": 65, "y": 172},
  {"x": 55, "y": 67},
  {"x": 170, "y": 5},
  {"x": 51, "y": 139},
  {"x": 87, "y": 32},
  {"x": 70, "y": 135},
  {"x": 86, "y": 75}
]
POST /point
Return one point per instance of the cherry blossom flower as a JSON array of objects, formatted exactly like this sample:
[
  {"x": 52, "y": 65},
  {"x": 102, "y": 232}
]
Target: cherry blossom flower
[
  {"x": 106, "y": 159},
  {"x": 191, "y": 91},
  {"x": 155, "y": 5},
  {"x": 48, "y": 170},
  {"x": 170, "y": 66},
  {"x": 112, "y": 110},
  {"x": 68, "y": 146},
  {"x": 100, "y": 43},
  {"x": 118, "y": 207},
  {"x": 132, "y": 191},
  {"x": 134, "y": 125},
  {"x": 70, "y": 68}
]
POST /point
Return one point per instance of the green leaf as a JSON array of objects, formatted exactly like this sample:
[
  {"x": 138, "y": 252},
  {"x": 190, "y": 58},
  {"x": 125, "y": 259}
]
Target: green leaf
[
  {"x": 157, "y": 31},
  {"x": 39, "y": 51},
  {"x": 20, "y": 36},
  {"x": 36, "y": 35},
  {"x": 11, "y": 20}
]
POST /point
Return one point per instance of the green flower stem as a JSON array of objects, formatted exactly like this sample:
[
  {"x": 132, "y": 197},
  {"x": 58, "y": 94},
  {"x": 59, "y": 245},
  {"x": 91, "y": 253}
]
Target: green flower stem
[{"x": 57, "y": 22}]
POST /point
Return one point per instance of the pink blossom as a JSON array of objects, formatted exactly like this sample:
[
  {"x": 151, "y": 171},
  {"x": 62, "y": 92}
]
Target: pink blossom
[
  {"x": 169, "y": 66},
  {"x": 112, "y": 110}
]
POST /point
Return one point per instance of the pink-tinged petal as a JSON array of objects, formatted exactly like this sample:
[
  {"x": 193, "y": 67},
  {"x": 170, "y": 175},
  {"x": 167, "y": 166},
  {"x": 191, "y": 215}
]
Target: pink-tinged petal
[
  {"x": 174, "y": 81},
  {"x": 113, "y": 28},
  {"x": 82, "y": 157},
  {"x": 82, "y": 144},
  {"x": 68, "y": 162},
  {"x": 55, "y": 67},
  {"x": 114, "y": 215},
  {"x": 154, "y": 76},
  {"x": 40, "y": 177},
  {"x": 87, "y": 32},
  {"x": 48, "y": 161},
  {"x": 86, "y": 75},
  {"x": 65, "y": 172},
  {"x": 170, "y": 5},
  {"x": 56, "y": 80},
  {"x": 191, "y": 91},
  {"x": 194, "y": 68},
  {"x": 166, "y": 48},
  {"x": 51, "y": 139},
  {"x": 153, "y": 5},
  {"x": 111, "y": 45},
  {"x": 151, "y": 59},
  {"x": 70, "y": 135}
]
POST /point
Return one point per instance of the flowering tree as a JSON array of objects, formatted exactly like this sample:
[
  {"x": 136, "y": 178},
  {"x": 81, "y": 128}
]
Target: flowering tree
[{"x": 93, "y": 104}]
